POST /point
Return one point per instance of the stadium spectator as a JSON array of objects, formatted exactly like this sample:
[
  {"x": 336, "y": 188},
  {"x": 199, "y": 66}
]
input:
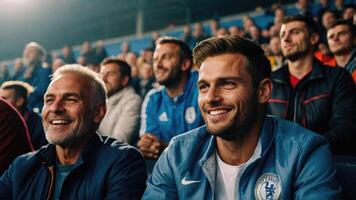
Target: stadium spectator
[
  {"x": 88, "y": 53},
  {"x": 36, "y": 74},
  {"x": 236, "y": 31},
  {"x": 342, "y": 42},
  {"x": 93, "y": 64},
  {"x": 131, "y": 59},
  {"x": 173, "y": 108},
  {"x": 276, "y": 56},
  {"x": 241, "y": 153},
  {"x": 302, "y": 7},
  {"x": 57, "y": 63},
  {"x": 145, "y": 81},
  {"x": 318, "y": 97},
  {"x": 328, "y": 18},
  {"x": 78, "y": 164},
  {"x": 124, "y": 50},
  {"x": 18, "y": 69},
  {"x": 16, "y": 93},
  {"x": 214, "y": 27},
  {"x": 187, "y": 36},
  {"x": 349, "y": 12},
  {"x": 82, "y": 61},
  {"x": 254, "y": 33},
  {"x": 4, "y": 73},
  {"x": 14, "y": 137},
  {"x": 198, "y": 33},
  {"x": 67, "y": 55},
  {"x": 100, "y": 51},
  {"x": 221, "y": 32},
  {"x": 122, "y": 119}
]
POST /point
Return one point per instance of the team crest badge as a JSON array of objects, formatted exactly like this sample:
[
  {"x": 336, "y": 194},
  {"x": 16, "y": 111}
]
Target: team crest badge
[
  {"x": 190, "y": 115},
  {"x": 268, "y": 187}
]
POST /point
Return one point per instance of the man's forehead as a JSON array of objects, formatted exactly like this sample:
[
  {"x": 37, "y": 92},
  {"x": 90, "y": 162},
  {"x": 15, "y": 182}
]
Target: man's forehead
[
  {"x": 293, "y": 24},
  {"x": 166, "y": 47}
]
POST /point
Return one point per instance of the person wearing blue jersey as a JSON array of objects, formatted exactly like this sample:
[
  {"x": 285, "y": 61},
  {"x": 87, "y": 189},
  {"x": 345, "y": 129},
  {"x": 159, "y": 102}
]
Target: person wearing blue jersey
[{"x": 173, "y": 108}]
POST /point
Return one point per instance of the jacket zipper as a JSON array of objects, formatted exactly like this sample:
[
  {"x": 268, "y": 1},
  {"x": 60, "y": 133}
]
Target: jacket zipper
[{"x": 50, "y": 189}]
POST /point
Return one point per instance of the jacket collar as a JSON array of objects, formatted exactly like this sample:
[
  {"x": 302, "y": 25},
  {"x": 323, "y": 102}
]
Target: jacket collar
[
  {"x": 266, "y": 140},
  {"x": 282, "y": 75},
  {"x": 47, "y": 154}
]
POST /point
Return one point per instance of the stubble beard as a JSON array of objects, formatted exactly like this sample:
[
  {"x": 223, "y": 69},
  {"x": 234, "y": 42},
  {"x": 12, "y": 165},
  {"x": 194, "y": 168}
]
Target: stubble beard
[{"x": 240, "y": 126}]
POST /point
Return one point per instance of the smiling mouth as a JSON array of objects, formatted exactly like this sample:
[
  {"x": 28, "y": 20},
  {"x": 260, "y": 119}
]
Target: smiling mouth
[
  {"x": 218, "y": 112},
  {"x": 59, "y": 122}
]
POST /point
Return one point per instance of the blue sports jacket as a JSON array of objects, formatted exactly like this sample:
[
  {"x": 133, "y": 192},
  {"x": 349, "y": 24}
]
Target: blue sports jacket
[
  {"x": 295, "y": 163},
  {"x": 165, "y": 117},
  {"x": 106, "y": 170}
]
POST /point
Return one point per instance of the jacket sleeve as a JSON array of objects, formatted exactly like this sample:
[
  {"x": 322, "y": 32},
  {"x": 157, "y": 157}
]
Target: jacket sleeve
[
  {"x": 315, "y": 173},
  {"x": 148, "y": 113},
  {"x": 126, "y": 128},
  {"x": 161, "y": 183},
  {"x": 342, "y": 135},
  {"x": 128, "y": 176},
  {"x": 6, "y": 185}
]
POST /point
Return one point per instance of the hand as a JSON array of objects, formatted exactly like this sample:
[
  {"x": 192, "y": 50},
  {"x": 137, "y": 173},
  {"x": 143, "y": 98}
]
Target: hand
[{"x": 151, "y": 146}]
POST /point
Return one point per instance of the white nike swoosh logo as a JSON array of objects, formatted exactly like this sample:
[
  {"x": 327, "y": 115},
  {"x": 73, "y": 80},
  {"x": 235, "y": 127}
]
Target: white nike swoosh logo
[{"x": 186, "y": 182}]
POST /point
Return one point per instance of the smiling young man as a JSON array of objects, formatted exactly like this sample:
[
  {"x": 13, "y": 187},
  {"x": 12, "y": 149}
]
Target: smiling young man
[
  {"x": 319, "y": 97},
  {"x": 241, "y": 153},
  {"x": 173, "y": 108},
  {"x": 78, "y": 163}
]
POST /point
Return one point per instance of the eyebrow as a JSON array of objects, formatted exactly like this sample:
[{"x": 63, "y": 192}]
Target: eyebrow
[
  {"x": 237, "y": 79},
  {"x": 65, "y": 95}
]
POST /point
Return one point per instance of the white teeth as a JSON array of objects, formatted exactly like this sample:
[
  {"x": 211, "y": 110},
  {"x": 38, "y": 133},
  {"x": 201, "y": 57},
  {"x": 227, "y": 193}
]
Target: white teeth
[
  {"x": 57, "y": 122},
  {"x": 217, "y": 112}
]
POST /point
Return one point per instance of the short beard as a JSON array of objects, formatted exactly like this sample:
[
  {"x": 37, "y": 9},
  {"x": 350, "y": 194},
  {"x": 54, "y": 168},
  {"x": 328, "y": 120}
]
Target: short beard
[
  {"x": 296, "y": 56},
  {"x": 240, "y": 128}
]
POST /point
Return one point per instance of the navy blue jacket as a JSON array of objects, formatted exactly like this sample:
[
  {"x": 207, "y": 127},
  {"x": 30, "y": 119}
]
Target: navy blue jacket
[{"x": 106, "y": 170}]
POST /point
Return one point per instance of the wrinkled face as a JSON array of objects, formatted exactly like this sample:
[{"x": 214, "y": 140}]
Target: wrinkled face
[
  {"x": 167, "y": 64},
  {"x": 68, "y": 115},
  {"x": 112, "y": 77},
  {"x": 340, "y": 40},
  {"x": 227, "y": 99},
  {"x": 295, "y": 40}
]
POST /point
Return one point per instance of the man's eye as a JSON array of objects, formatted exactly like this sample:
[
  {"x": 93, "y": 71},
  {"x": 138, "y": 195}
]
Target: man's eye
[
  {"x": 71, "y": 100},
  {"x": 203, "y": 87},
  {"x": 229, "y": 85},
  {"x": 48, "y": 101}
]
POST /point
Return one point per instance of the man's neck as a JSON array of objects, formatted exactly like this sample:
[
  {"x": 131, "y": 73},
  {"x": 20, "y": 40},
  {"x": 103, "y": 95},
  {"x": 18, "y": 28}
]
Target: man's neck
[
  {"x": 301, "y": 67},
  {"x": 70, "y": 155},
  {"x": 342, "y": 60},
  {"x": 239, "y": 152},
  {"x": 178, "y": 88}
]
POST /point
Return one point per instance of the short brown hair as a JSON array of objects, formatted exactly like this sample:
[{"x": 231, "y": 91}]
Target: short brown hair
[
  {"x": 348, "y": 23},
  {"x": 309, "y": 22},
  {"x": 184, "y": 50},
  {"x": 258, "y": 65}
]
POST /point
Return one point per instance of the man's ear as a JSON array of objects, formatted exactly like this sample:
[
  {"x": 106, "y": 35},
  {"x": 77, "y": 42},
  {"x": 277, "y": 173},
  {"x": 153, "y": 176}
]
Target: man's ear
[
  {"x": 264, "y": 90},
  {"x": 314, "y": 38},
  {"x": 186, "y": 64},
  {"x": 125, "y": 80},
  {"x": 100, "y": 113}
]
